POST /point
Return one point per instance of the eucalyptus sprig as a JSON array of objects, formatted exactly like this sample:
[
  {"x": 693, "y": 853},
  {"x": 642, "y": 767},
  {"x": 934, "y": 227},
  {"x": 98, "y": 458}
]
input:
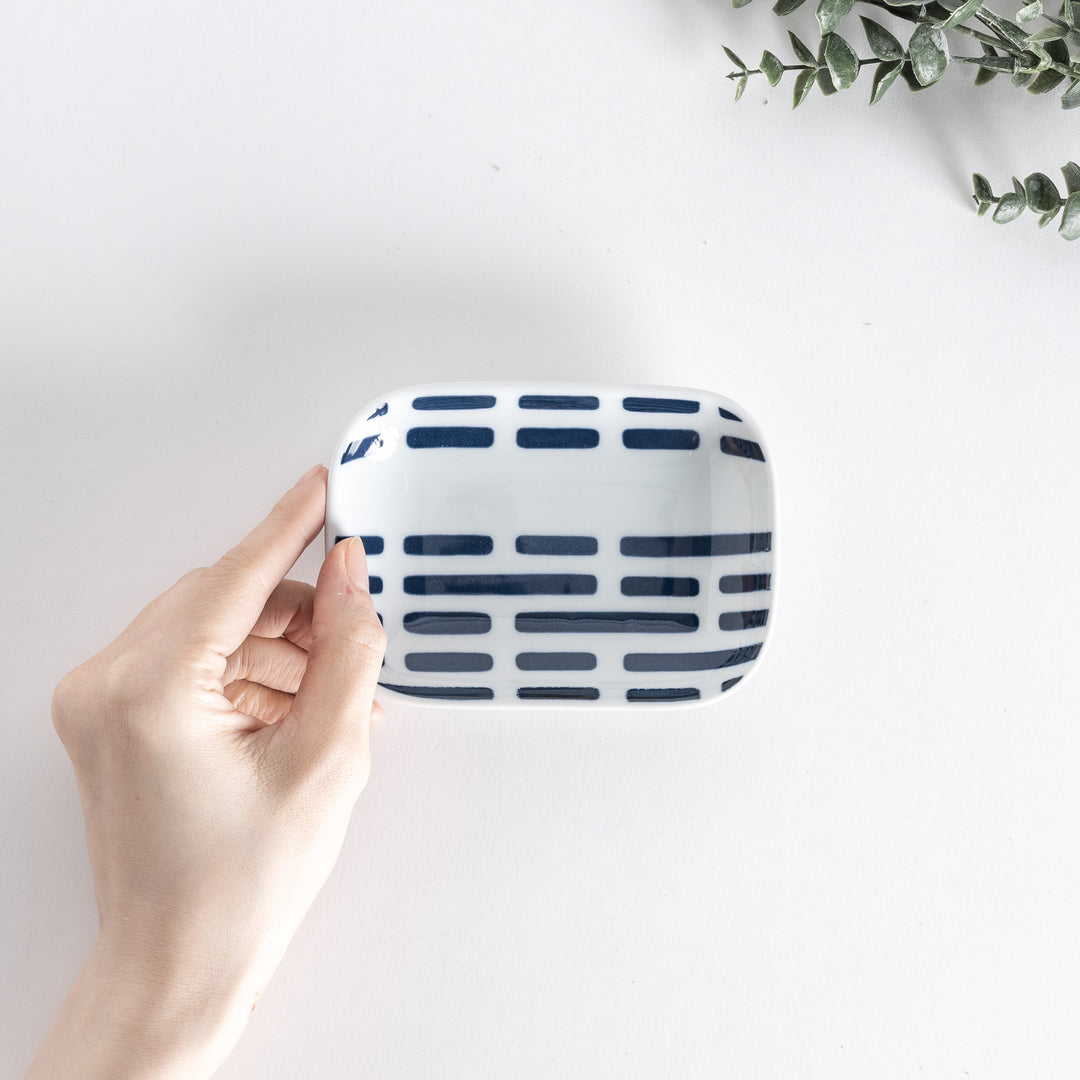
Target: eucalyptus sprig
[
  {"x": 1038, "y": 193},
  {"x": 1040, "y": 59}
]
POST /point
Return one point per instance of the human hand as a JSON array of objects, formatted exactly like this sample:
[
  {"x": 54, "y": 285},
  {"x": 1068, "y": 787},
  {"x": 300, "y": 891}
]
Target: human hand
[{"x": 219, "y": 745}]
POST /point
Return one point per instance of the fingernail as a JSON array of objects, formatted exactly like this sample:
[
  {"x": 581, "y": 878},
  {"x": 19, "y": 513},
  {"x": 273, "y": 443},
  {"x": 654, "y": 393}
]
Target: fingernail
[
  {"x": 308, "y": 475},
  {"x": 356, "y": 563}
]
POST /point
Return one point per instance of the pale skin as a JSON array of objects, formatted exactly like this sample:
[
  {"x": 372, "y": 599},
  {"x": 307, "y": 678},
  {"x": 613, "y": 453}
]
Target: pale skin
[{"x": 219, "y": 745}]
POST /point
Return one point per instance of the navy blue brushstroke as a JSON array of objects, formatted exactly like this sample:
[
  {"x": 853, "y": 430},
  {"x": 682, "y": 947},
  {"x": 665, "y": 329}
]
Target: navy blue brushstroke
[
  {"x": 691, "y": 661},
  {"x": 660, "y": 439},
  {"x": 453, "y": 401},
  {"x": 448, "y": 661},
  {"x": 556, "y": 545},
  {"x": 448, "y": 544},
  {"x": 745, "y": 448},
  {"x": 558, "y": 401},
  {"x": 557, "y": 438},
  {"x": 500, "y": 584},
  {"x": 358, "y": 449},
  {"x": 446, "y": 622},
  {"x": 605, "y": 622},
  {"x": 660, "y": 586},
  {"x": 426, "y": 438},
  {"x": 556, "y": 661},
  {"x": 670, "y": 547},
  {"x": 743, "y": 583},
  {"x": 464, "y": 693},
  {"x": 660, "y": 405}
]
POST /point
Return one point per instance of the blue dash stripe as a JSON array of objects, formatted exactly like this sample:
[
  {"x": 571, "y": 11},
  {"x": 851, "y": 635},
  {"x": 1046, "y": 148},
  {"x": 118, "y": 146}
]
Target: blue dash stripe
[
  {"x": 435, "y": 402},
  {"x": 447, "y": 622},
  {"x": 668, "y": 547},
  {"x": 727, "y": 415},
  {"x": 448, "y": 544},
  {"x": 743, "y": 620},
  {"x": 746, "y": 448},
  {"x": 538, "y": 438},
  {"x": 448, "y": 661},
  {"x": 605, "y": 622},
  {"x": 660, "y": 586},
  {"x": 374, "y": 584},
  {"x": 373, "y": 545},
  {"x": 556, "y": 545},
  {"x": 661, "y": 405},
  {"x": 500, "y": 584},
  {"x": 727, "y": 684},
  {"x": 472, "y": 693},
  {"x": 421, "y": 438},
  {"x": 556, "y": 661},
  {"x": 558, "y": 401},
  {"x": 691, "y": 661},
  {"x": 567, "y": 693},
  {"x": 660, "y": 439},
  {"x": 740, "y": 583},
  {"x": 664, "y": 693},
  {"x": 359, "y": 448}
]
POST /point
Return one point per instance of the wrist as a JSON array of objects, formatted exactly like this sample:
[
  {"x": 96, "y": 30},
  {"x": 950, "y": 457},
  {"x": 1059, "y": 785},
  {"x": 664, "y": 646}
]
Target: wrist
[{"x": 127, "y": 1019}]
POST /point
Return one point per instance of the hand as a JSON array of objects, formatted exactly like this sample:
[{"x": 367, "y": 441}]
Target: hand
[{"x": 219, "y": 745}]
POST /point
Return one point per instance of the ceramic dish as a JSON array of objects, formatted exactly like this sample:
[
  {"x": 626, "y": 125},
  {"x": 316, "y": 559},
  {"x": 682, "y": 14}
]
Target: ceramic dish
[{"x": 555, "y": 544}]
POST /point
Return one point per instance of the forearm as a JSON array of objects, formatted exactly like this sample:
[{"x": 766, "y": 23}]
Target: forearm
[{"x": 122, "y": 1024}]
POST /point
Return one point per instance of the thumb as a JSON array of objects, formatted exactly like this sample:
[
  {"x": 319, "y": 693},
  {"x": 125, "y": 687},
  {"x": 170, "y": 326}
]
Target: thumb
[{"x": 333, "y": 704}]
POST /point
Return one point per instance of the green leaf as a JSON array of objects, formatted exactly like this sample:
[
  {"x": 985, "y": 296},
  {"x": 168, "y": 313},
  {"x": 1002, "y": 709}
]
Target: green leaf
[
  {"x": 1020, "y": 189},
  {"x": 908, "y": 76},
  {"x": 1049, "y": 216},
  {"x": 842, "y": 62},
  {"x": 1069, "y": 228},
  {"x": 1006, "y": 30},
  {"x": 929, "y": 53},
  {"x": 987, "y": 72},
  {"x": 804, "y": 55},
  {"x": 786, "y": 7},
  {"x": 1041, "y": 193},
  {"x": 771, "y": 67},
  {"x": 739, "y": 3},
  {"x": 830, "y": 13},
  {"x": 824, "y": 81},
  {"x": 1021, "y": 78},
  {"x": 1071, "y": 172},
  {"x": 884, "y": 77},
  {"x": 1010, "y": 207},
  {"x": 984, "y": 193},
  {"x": 1045, "y": 81},
  {"x": 882, "y": 44},
  {"x": 1030, "y": 12},
  {"x": 961, "y": 14},
  {"x": 1059, "y": 52},
  {"x": 804, "y": 83},
  {"x": 1049, "y": 33},
  {"x": 734, "y": 59},
  {"x": 1067, "y": 12},
  {"x": 740, "y": 86},
  {"x": 1071, "y": 98}
]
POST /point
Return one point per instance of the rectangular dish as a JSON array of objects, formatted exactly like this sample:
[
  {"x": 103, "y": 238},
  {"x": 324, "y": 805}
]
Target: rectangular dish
[{"x": 560, "y": 544}]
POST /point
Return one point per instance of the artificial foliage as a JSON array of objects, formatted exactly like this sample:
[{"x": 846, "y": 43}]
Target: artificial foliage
[{"x": 1037, "y": 51}]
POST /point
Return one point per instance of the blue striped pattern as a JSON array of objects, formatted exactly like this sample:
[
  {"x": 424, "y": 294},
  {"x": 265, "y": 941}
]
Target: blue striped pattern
[
  {"x": 538, "y": 438},
  {"x": 660, "y": 405},
  {"x": 558, "y": 401},
  {"x": 696, "y": 590},
  {"x": 448, "y": 544},
  {"x": 660, "y": 439},
  {"x": 440, "y": 438},
  {"x": 556, "y": 545}
]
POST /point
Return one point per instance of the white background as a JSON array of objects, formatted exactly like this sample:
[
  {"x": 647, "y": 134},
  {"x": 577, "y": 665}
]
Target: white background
[{"x": 226, "y": 227}]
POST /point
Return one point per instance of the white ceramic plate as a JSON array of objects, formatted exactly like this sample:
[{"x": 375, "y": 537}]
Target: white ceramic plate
[{"x": 559, "y": 544}]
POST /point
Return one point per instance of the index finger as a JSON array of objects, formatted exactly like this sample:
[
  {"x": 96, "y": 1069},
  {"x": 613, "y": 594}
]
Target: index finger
[{"x": 242, "y": 580}]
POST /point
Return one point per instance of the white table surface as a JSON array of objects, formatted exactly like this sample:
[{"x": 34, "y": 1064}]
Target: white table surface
[{"x": 225, "y": 227}]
